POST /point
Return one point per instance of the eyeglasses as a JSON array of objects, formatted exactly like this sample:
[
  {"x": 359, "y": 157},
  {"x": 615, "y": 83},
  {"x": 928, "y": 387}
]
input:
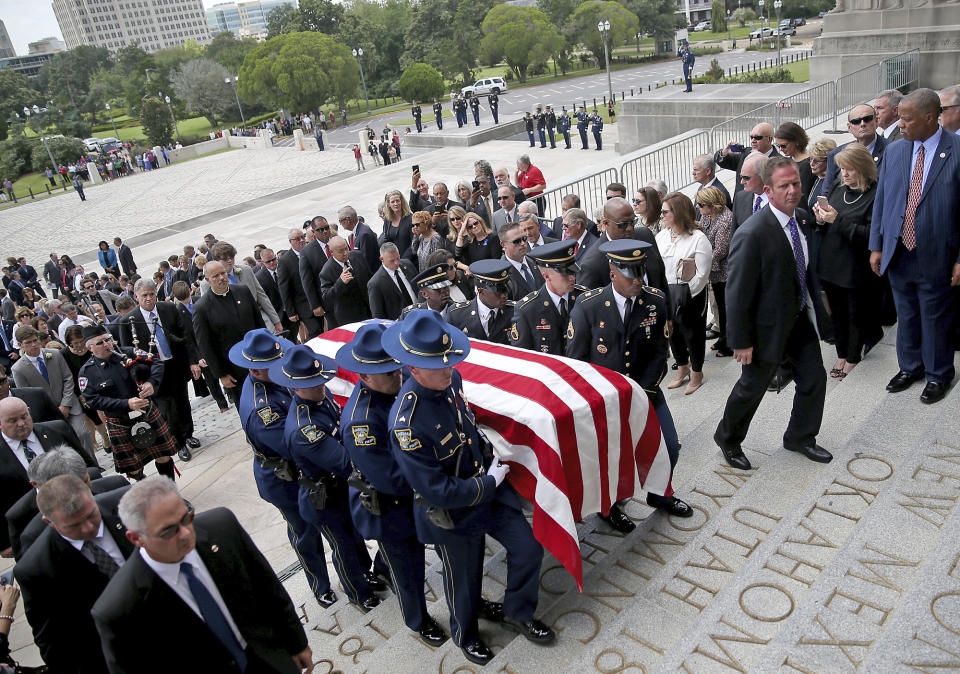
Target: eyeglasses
[
  {"x": 517, "y": 242},
  {"x": 637, "y": 202},
  {"x": 270, "y": 261},
  {"x": 866, "y": 118},
  {"x": 942, "y": 108},
  {"x": 296, "y": 238},
  {"x": 745, "y": 178},
  {"x": 171, "y": 531},
  {"x": 757, "y": 137},
  {"x": 105, "y": 340},
  {"x": 623, "y": 224},
  {"x": 322, "y": 229},
  {"x": 509, "y": 196}
]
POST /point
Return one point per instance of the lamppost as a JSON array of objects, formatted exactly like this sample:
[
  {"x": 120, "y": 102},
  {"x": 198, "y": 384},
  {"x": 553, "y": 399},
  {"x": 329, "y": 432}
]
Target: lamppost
[
  {"x": 170, "y": 108},
  {"x": 604, "y": 28},
  {"x": 639, "y": 35},
  {"x": 38, "y": 112},
  {"x": 358, "y": 53},
  {"x": 232, "y": 81},
  {"x": 115, "y": 134},
  {"x": 777, "y": 4},
  {"x": 762, "y": 24}
]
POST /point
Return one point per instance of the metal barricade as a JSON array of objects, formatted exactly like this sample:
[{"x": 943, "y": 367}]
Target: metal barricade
[
  {"x": 738, "y": 128},
  {"x": 672, "y": 163},
  {"x": 809, "y": 107},
  {"x": 591, "y": 189},
  {"x": 900, "y": 71},
  {"x": 857, "y": 87}
]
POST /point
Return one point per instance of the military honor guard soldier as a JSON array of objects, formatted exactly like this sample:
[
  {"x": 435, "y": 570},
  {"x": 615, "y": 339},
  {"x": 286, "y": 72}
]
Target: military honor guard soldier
[
  {"x": 438, "y": 113},
  {"x": 596, "y": 128},
  {"x": 494, "y": 102},
  {"x": 488, "y": 315},
  {"x": 563, "y": 125},
  {"x": 583, "y": 121},
  {"x": 381, "y": 500},
  {"x": 475, "y": 109},
  {"x": 460, "y": 495},
  {"x": 263, "y": 412},
  {"x": 417, "y": 116},
  {"x": 551, "y": 125},
  {"x": 540, "y": 318},
  {"x": 623, "y": 327},
  {"x": 434, "y": 286}
]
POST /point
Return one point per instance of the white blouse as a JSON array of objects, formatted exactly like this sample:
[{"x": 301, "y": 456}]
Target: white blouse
[{"x": 695, "y": 245}]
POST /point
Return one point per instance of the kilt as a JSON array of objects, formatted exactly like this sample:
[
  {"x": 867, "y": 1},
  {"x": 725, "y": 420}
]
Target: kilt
[{"x": 126, "y": 457}]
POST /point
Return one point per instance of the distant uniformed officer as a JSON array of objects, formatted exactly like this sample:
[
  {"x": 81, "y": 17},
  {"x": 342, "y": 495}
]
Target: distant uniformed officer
[
  {"x": 475, "y": 109},
  {"x": 381, "y": 500},
  {"x": 688, "y": 59},
  {"x": 489, "y": 314},
  {"x": 596, "y": 128},
  {"x": 434, "y": 287},
  {"x": 583, "y": 121},
  {"x": 312, "y": 436},
  {"x": 564, "y": 127},
  {"x": 438, "y": 113},
  {"x": 457, "y": 110},
  {"x": 541, "y": 121},
  {"x": 494, "y": 102},
  {"x": 263, "y": 412},
  {"x": 459, "y": 492},
  {"x": 623, "y": 326},
  {"x": 138, "y": 433},
  {"x": 540, "y": 318},
  {"x": 528, "y": 125},
  {"x": 417, "y": 115},
  {"x": 551, "y": 125}
]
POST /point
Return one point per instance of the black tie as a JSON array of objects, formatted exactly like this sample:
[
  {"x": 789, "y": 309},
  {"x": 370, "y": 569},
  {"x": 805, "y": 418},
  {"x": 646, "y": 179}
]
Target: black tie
[
  {"x": 491, "y": 319},
  {"x": 564, "y": 314},
  {"x": 101, "y": 558},
  {"x": 631, "y": 313},
  {"x": 28, "y": 453},
  {"x": 407, "y": 300}
]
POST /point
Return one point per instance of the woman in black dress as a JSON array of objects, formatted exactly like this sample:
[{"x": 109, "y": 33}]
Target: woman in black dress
[
  {"x": 792, "y": 140},
  {"x": 476, "y": 242},
  {"x": 844, "y": 262}
]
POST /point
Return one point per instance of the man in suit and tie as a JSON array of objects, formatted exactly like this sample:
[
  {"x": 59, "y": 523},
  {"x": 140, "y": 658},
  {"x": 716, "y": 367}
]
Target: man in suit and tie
[
  {"x": 391, "y": 287},
  {"x": 225, "y": 253},
  {"x": 751, "y": 198},
  {"x": 221, "y": 318},
  {"x": 8, "y": 354},
  {"x": 268, "y": 276},
  {"x": 8, "y": 306},
  {"x": 534, "y": 229},
  {"x": 482, "y": 200},
  {"x": 66, "y": 569},
  {"x": 203, "y": 573},
  {"x": 575, "y": 227},
  {"x": 566, "y": 203},
  {"x": 313, "y": 257},
  {"x": 159, "y": 329},
  {"x": 51, "y": 273},
  {"x": 862, "y": 124},
  {"x": 90, "y": 295},
  {"x": 525, "y": 277},
  {"x": 772, "y": 313},
  {"x": 501, "y": 178},
  {"x": 114, "y": 323},
  {"x": 42, "y": 407},
  {"x": 292, "y": 293},
  {"x": 508, "y": 207},
  {"x": 47, "y": 369},
  {"x": 705, "y": 173},
  {"x": 761, "y": 140},
  {"x": 359, "y": 237},
  {"x": 915, "y": 239},
  {"x": 125, "y": 256},
  {"x": 343, "y": 283},
  {"x": 887, "y": 105}
]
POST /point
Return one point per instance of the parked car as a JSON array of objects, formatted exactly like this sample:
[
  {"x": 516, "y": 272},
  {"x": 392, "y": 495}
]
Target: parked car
[
  {"x": 703, "y": 26},
  {"x": 766, "y": 31},
  {"x": 786, "y": 28},
  {"x": 488, "y": 85},
  {"x": 109, "y": 144},
  {"x": 800, "y": 22},
  {"x": 92, "y": 144},
  {"x": 820, "y": 15}
]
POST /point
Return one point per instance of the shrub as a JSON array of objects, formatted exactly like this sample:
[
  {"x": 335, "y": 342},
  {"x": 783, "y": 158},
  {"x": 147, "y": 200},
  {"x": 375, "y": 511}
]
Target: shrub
[
  {"x": 421, "y": 82},
  {"x": 64, "y": 151}
]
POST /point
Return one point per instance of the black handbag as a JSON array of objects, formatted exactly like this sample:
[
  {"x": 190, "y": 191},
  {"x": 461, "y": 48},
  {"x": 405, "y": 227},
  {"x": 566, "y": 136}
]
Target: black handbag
[{"x": 679, "y": 297}]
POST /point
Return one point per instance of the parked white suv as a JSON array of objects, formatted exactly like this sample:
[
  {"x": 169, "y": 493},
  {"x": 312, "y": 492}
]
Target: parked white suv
[
  {"x": 92, "y": 144},
  {"x": 488, "y": 85}
]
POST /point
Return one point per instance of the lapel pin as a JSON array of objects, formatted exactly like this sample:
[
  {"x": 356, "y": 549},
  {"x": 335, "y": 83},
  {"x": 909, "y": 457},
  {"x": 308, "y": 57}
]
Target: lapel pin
[
  {"x": 942, "y": 155},
  {"x": 119, "y": 526},
  {"x": 214, "y": 548}
]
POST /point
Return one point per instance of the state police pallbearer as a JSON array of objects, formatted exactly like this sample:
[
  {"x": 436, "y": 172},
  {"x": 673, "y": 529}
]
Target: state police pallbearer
[
  {"x": 381, "y": 500},
  {"x": 138, "y": 433},
  {"x": 540, "y": 318},
  {"x": 263, "y": 412},
  {"x": 312, "y": 436},
  {"x": 459, "y": 492},
  {"x": 489, "y": 315},
  {"x": 623, "y": 326},
  {"x": 417, "y": 116}
]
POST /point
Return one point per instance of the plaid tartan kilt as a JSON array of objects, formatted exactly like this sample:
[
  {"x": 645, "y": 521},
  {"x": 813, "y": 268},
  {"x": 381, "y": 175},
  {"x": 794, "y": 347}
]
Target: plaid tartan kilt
[{"x": 129, "y": 459}]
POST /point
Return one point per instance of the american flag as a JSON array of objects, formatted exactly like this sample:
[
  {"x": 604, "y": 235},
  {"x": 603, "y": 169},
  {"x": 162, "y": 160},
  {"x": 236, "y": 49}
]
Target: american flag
[{"x": 578, "y": 437}]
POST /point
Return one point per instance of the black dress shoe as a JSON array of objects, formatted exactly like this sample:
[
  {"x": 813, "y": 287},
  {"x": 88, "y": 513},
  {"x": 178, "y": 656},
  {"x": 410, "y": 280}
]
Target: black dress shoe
[
  {"x": 812, "y": 451},
  {"x": 780, "y": 380},
  {"x": 477, "y": 652},
  {"x": 327, "y": 599},
  {"x": 902, "y": 381},
  {"x": 933, "y": 392},
  {"x": 490, "y": 610},
  {"x": 431, "y": 633},
  {"x": 733, "y": 455},
  {"x": 368, "y": 604},
  {"x": 373, "y": 580},
  {"x": 619, "y": 520},
  {"x": 192, "y": 442},
  {"x": 670, "y": 505},
  {"x": 533, "y": 630},
  {"x": 712, "y": 334},
  {"x": 184, "y": 454}
]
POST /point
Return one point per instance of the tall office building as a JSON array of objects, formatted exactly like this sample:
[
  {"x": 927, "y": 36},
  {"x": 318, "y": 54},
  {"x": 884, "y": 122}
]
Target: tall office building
[
  {"x": 6, "y": 46},
  {"x": 243, "y": 18},
  {"x": 153, "y": 24}
]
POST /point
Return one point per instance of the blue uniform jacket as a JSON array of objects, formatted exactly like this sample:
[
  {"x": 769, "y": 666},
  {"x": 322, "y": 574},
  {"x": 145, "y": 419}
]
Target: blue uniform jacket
[
  {"x": 263, "y": 413},
  {"x": 597, "y": 122},
  {"x": 107, "y": 385}
]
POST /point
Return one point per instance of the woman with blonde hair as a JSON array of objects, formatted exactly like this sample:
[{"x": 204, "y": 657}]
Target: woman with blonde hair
[
  {"x": 397, "y": 222},
  {"x": 687, "y": 258},
  {"x": 425, "y": 239},
  {"x": 818, "y": 166},
  {"x": 456, "y": 215},
  {"x": 23, "y": 316},
  {"x": 716, "y": 221},
  {"x": 476, "y": 241}
]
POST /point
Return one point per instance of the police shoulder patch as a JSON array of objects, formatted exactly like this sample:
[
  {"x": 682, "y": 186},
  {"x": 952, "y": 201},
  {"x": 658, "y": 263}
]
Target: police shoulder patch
[
  {"x": 405, "y": 438},
  {"x": 83, "y": 383},
  {"x": 312, "y": 433},
  {"x": 361, "y": 436},
  {"x": 267, "y": 415}
]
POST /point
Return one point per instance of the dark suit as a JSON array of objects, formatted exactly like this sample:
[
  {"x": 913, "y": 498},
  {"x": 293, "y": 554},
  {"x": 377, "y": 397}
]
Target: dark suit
[
  {"x": 138, "y": 602},
  {"x": 59, "y": 587},
  {"x": 221, "y": 322},
  {"x": 294, "y": 297},
  {"x": 920, "y": 279},
  {"x": 271, "y": 285},
  {"x": 42, "y": 407},
  {"x": 595, "y": 268},
  {"x": 763, "y": 297},
  {"x": 833, "y": 171},
  {"x": 312, "y": 259},
  {"x": 51, "y": 274},
  {"x": 584, "y": 246},
  {"x": 734, "y": 162},
  {"x": 125, "y": 255},
  {"x": 386, "y": 300},
  {"x": 743, "y": 203},
  {"x": 364, "y": 240},
  {"x": 518, "y": 284},
  {"x": 348, "y": 302}
]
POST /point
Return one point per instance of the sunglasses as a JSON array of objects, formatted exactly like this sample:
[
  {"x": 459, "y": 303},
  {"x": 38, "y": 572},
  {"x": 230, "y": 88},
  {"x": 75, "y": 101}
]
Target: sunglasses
[
  {"x": 504, "y": 198},
  {"x": 270, "y": 261},
  {"x": 455, "y": 218},
  {"x": 322, "y": 229},
  {"x": 101, "y": 342},
  {"x": 866, "y": 118},
  {"x": 172, "y": 531},
  {"x": 757, "y": 137},
  {"x": 745, "y": 178},
  {"x": 637, "y": 202},
  {"x": 517, "y": 242},
  {"x": 624, "y": 224}
]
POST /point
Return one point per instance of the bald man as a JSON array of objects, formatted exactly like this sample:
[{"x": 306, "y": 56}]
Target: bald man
[
  {"x": 343, "y": 284},
  {"x": 761, "y": 140}
]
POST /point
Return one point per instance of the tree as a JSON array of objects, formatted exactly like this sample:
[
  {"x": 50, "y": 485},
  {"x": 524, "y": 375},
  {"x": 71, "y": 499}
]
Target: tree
[
  {"x": 379, "y": 29},
  {"x": 283, "y": 19},
  {"x": 462, "y": 54},
  {"x": 421, "y": 82},
  {"x": 66, "y": 76},
  {"x": 582, "y": 26},
  {"x": 64, "y": 151},
  {"x": 522, "y": 36},
  {"x": 743, "y": 15},
  {"x": 321, "y": 16},
  {"x": 657, "y": 18},
  {"x": 130, "y": 59},
  {"x": 428, "y": 38},
  {"x": 200, "y": 85},
  {"x": 228, "y": 51},
  {"x": 156, "y": 122},
  {"x": 558, "y": 11},
  {"x": 15, "y": 92},
  {"x": 16, "y": 157},
  {"x": 718, "y": 17},
  {"x": 299, "y": 71}
]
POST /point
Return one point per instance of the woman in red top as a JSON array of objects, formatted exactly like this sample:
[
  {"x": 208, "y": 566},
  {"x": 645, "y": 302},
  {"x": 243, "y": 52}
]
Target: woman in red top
[{"x": 531, "y": 181}]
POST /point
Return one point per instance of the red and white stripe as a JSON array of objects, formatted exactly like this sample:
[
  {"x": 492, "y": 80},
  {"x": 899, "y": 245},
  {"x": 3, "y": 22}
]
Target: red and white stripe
[{"x": 578, "y": 437}]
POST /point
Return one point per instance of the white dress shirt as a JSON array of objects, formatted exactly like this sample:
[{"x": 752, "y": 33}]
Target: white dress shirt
[
  {"x": 784, "y": 219},
  {"x": 33, "y": 361},
  {"x": 556, "y": 299},
  {"x": 483, "y": 313},
  {"x": 14, "y": 445},
  {"x": 148, "y": 317},
  {"x": 890, "y": 129},
  {"x": 104, "y": 541},
  {"x": 398, "y": 272},
  {"x": 621, "y": 303},
  {"x": 519, "y": 267},
  {"x": 929, "y": 152},
  {"x": 695, "y": 245},
  {"x": 171, "y": 575}
]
